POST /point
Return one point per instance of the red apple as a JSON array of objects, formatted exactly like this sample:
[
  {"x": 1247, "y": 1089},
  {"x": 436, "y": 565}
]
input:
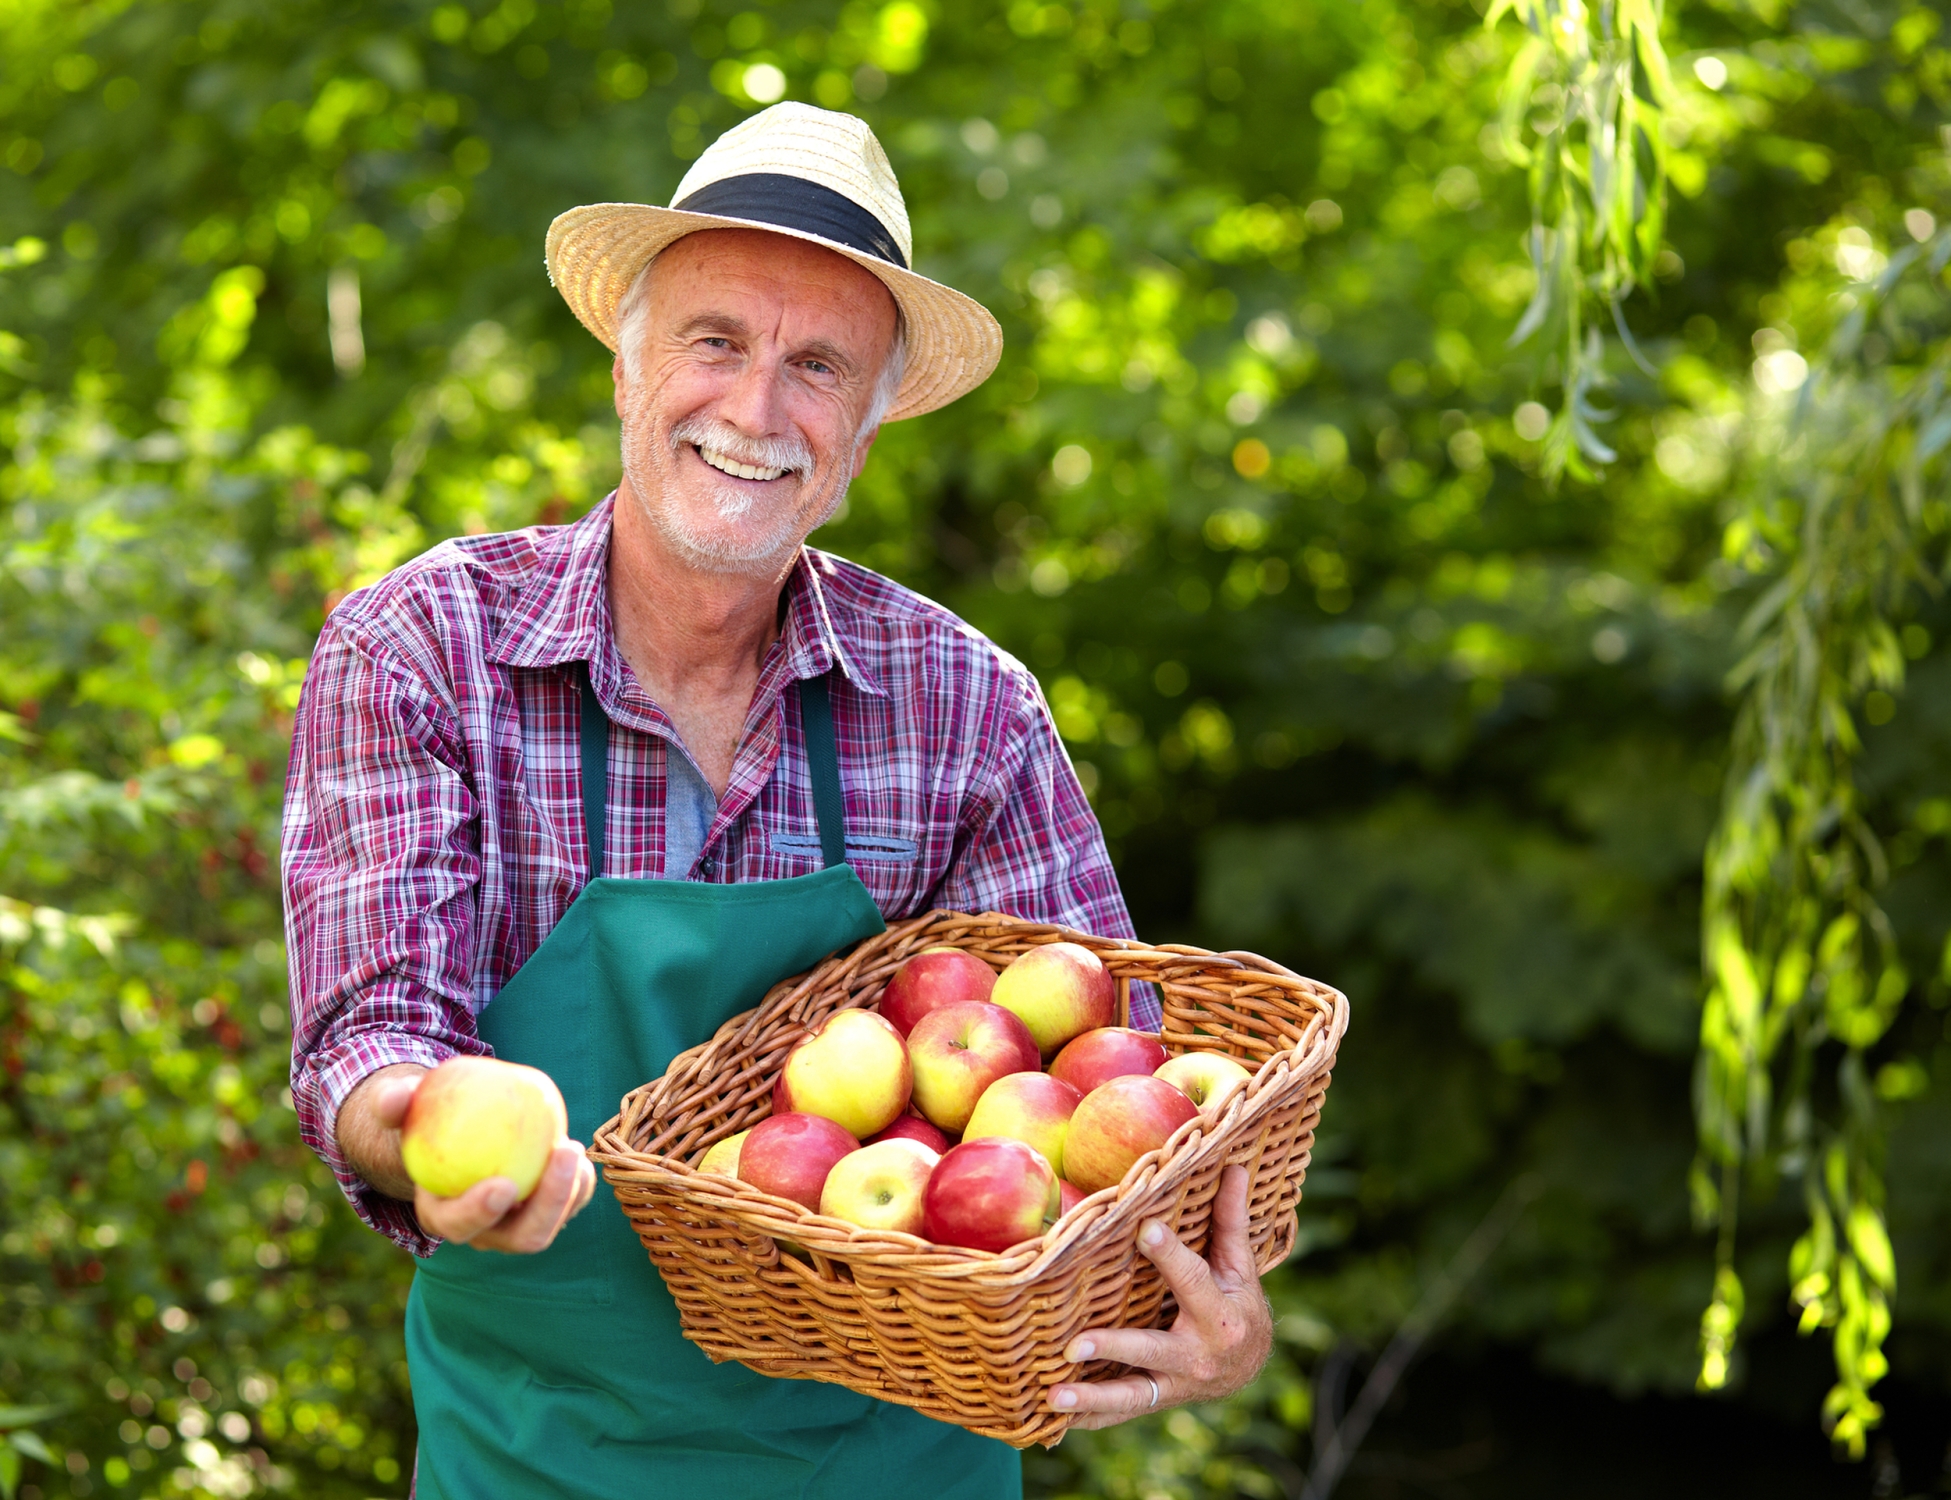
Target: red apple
[
  {"x": 852, "y": 1069},
  {"x": 911, "y": 1127},
  {"x": 1208, "y": 1079},
  {"x": 990, "y": 1195},
  {"x": 790, "y": 1155},
  {"x": 1117, "y": 1123},
  {"x": 1060, "y": 990},
  {"x": 1104, "y": 1054},
  {"x": 473, "y": 1118},
  {"x": 958, "y": 1051},
  {"x": 722, "y": 1158},
  {"x": 880, "y": 1186},
  {"x": 1072, "y": 1195},
  {"x": 931, "y": 979},
  {"x": 1033, "y": 1108}
]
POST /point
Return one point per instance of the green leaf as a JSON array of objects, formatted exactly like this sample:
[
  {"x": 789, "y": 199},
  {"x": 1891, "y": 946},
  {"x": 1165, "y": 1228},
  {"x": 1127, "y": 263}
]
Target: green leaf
[{"x": 30, "y": 1444}]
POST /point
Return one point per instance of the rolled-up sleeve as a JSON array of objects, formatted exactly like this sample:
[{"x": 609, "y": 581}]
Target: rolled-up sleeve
[
  {"x": 1030, "y": 845},
  {"x": 381, "y": 868}
]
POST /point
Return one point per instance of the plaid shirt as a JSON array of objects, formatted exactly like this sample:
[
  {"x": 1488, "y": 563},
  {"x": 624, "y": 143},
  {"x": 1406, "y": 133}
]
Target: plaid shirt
[{"x": 433, "y": 829}]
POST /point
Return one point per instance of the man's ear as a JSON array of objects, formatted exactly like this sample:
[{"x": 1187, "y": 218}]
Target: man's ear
[{"x": 863, "y": 447}]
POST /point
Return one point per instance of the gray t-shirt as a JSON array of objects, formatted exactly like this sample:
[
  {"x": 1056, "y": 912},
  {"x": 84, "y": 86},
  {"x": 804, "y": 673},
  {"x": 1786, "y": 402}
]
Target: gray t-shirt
[{"x": 689, "y": 807}]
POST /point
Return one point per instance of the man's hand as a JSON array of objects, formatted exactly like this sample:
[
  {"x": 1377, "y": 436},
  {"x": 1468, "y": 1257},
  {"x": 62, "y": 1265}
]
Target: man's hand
[
  {"x": 487, "y": 1216},
  {"x": 1221, "y": 1338}
]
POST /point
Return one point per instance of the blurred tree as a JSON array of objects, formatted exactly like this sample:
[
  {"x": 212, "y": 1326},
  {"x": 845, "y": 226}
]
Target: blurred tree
[{"x": 1259, "y": 491}]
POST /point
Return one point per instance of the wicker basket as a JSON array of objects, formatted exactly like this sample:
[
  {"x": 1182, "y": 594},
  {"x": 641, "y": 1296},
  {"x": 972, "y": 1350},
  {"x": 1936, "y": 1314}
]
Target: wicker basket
[{"x": 965, "y": 1336}]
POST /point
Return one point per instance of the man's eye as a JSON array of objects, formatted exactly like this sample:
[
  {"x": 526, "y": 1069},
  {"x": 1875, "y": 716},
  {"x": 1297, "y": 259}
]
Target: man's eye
[
  {"x": 818, "y": 367},
  {"x": 716, "y": 342}
]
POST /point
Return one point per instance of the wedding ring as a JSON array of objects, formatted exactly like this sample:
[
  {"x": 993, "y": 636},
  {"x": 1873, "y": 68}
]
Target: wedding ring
[{"x": 1154, "y": 1385}]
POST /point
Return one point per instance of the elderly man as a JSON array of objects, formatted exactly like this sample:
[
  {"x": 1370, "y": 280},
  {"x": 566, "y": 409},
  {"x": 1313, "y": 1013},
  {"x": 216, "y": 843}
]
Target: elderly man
[{"x": 577, "y": 795}]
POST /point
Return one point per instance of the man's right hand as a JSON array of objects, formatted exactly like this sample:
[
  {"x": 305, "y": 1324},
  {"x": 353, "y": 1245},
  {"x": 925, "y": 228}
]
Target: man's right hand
[{"x": 487, "y": 1216}]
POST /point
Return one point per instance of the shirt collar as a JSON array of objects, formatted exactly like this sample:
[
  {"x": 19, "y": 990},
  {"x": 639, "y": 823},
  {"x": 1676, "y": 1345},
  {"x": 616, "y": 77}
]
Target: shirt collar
[{"x": 561, "y": 613}]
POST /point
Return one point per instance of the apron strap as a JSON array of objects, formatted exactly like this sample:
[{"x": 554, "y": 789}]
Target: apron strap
[
  {"x": 823, "y": 764},
  {"x": 594, "y": 728}
]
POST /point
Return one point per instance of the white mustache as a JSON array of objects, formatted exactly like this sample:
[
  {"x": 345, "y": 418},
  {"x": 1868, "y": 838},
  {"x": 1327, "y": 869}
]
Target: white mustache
[{"x": 758, "y": 453}]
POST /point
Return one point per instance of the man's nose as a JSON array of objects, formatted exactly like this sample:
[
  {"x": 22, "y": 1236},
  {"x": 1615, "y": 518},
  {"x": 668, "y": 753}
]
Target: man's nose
[{"x": 754, "y": 402}]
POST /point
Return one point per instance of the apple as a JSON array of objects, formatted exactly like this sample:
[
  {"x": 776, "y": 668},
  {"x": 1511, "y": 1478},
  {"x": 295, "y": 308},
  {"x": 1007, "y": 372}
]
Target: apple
[
  {"x": 852, "y": 1069},
  {"x": 1071, "y": 1196},
  {"x": 1104, "y": 1054},
  {"x": 931, "y": 979},
  {"x": 880, "y": 1186},
  {"x": 1117, "y": 1123},
  {"x": 722, "y": 1158},
  {"x": 1033, "y": 1108},
  {"x": 790, "y": 1156},
  {"x": 990, "y": 1195},
  {"x": 958, "y": 1051},
  {"x": 1208, "y": 1079},
  {"x": 912, "y": 1127},
  {"x": 473, "y": 1118},
  {"x": 1060, "y": 990}
]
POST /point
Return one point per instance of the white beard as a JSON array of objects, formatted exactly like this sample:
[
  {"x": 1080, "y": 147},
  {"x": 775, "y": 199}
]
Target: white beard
[{"x": 651, "y": 468}]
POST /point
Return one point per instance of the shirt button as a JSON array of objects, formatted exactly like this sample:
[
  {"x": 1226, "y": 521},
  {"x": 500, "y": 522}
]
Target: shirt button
[{"x": 704, "y": 865}]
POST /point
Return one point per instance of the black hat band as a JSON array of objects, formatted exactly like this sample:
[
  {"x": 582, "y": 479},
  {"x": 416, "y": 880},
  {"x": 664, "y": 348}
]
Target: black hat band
[{"x": 795, "y": 203}]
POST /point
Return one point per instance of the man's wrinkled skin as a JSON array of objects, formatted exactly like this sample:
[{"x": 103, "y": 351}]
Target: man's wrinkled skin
[
  {"x": 1217, "y": 1344},
  {"x": 766, "y": 350}
]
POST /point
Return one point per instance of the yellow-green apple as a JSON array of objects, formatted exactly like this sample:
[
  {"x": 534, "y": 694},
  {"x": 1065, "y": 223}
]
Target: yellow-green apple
[
  {"x": 1104, "y": 1054},
  {"x": 989, "y": 1195},
  {"x": 722, "y": 1158},
  {"x": 1208, "y": 1079},
  {"x": 852, "y": 1069},
  {"x": 473, "y": 1118},
  {"x": 1117, "y": 1123},
  {"x": 880, "y": 1186},
  {"x": 1070, "y": 1196},
  {"x": 912, "y": 1127},
  {"x": 958, "y": 1051},
  {"x": 1033, "y": 1108},
  {"x": 790, "y": 1155},
  {"x": 931, "y": 979},
  {"x": 1060, "y": 990}
]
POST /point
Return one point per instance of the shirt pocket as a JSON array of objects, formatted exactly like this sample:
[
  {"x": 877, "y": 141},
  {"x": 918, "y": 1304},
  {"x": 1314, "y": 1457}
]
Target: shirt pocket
[
  {"x": 865, "y": 849},
  {"x": 888, "y": 865}
]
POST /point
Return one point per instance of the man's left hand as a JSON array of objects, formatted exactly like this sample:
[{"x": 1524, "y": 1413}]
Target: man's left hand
[{"x": 1217, "y": 1344}]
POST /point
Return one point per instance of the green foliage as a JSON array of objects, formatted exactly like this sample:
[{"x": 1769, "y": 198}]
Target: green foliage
[
  {"x": 1350, "y": 681},
  {"x": 1800, "y": 951},
  {"x": 1605, "y": 76}
]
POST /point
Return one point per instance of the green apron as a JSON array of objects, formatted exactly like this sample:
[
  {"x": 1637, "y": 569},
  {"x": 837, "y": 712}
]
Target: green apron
[{"x": 563, "y": 1376}]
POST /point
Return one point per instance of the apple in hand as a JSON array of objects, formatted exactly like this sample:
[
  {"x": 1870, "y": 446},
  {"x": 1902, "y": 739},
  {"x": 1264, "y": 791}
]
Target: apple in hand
[
  {"x": 1104, "y": 1054},
  {"x": 990, "y": 1195},
  {"x": 912, "y": 1127},
  {"x": 1060, "y": 990},
  {"x": 931, "y": 979},
  {"x": 1208, "y": 1079},
  {"x": 853, "y": 1070},
  {"x": 790, "y": 1156},
  {"x": 958, "y": 1051},
  {"x": 1033, "y": 1108},
  {"x": 1117, "y": 1123},
  {"x": 473, "y": 1118},
  {"x": 880, "y": 1186},
  {"x": 722, "y": 1158}
]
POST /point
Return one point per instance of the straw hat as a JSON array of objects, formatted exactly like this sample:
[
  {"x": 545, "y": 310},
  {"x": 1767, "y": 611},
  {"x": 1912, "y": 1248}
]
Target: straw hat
[{"x": 817, "y": 176}]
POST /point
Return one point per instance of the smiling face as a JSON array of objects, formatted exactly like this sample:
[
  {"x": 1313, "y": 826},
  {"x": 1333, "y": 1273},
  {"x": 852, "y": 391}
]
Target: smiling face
[{"x": 745, "y": 398}]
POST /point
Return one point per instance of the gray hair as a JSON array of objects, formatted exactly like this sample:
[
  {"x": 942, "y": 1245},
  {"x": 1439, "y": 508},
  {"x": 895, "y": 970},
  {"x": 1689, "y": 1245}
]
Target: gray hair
[{"x": 633, "y": 311}]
